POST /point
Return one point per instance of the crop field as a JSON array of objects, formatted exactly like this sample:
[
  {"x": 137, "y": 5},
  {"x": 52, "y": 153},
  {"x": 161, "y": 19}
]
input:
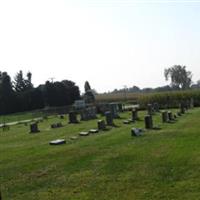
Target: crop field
[{"x": 109, "y": 165}]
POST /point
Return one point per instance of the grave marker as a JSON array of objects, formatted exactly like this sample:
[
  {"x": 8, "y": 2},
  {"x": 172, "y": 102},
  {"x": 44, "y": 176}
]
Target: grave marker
[
  {"x": 148, "y": 122},
  {"x": 136, "y": 132},
  {"x": 149, "y": 109},
  {"x": 109, "y": 118},
  {"x": 156, "y": 107},
  {"x": 72, "y": 118},
  {"x": 134, "y": 115},
  {"x": 57, "y": 142},
  {"x": 114, "y": 110},
  {"x": 84, "y": 133},
  {"x": 101, "y": 125},
  {"x": 34, "y": 128},
  {"x": 165, "y": 117},
  {"x": 170, "y": 116}
]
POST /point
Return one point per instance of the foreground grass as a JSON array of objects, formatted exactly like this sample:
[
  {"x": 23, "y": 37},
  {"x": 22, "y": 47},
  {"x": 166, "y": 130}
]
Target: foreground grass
[{"x": 109, "y": 165}]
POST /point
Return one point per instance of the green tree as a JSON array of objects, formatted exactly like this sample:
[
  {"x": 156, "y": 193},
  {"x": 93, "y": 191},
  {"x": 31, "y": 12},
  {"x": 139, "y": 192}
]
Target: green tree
[
  {"x": 7, "y": 98},
  {"x": 89, "y": 96},
  {"x": 180, "y": 77},
  {"x": 21, "y": 84},
  {"x": 87, "y": 86}
]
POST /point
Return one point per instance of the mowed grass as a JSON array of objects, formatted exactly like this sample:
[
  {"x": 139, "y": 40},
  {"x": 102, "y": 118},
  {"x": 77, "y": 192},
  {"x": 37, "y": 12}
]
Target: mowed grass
[
  {"x": 19, "y": 117},
  {"x": 109, "y": 165}
]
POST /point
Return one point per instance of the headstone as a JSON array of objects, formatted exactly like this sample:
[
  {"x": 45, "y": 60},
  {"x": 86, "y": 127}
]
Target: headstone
[
  {"x": 102, "y": 108},
  {"x": 79, "y": 104},
  {"x": 57, "y": 142},
  {"x": 170, "y": 116},
  {"x": 84, "y": 133},
  {"x": 34, "y": 128},
  {"x": 134, "y": 114},
  {"x": 126, "y": 122},
  {"x": 114, "y": 110},
  {"x": 109, "y": 118},
  {"x": 149, "y": 109},
  {"x": 148, "y": 122},
  {"x": 120, "y": 107},
  {"x": 165, "y": 117},
  {"x": 56, "y": 125},
  {"x": 61, "y": 116},
  {"x": 88, "y": 113},
  {"x": 156, "y": 107},
  {"x": 182, "y": 108},
  {"x": 93, "y": 131},
  {"x": 72, "y": 118},
  {"x": 101, "y": 125},
  {"x": 84, "y": 115},
  {"x": 73, "y": 138},
  {"x": 136, "y": 132}
]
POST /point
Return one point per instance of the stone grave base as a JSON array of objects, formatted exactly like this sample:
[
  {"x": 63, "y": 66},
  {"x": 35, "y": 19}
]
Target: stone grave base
[
  {"x": 93, "y": 131},
  {"x": 84, "y": 133},
  {"x": 57, "y": 142}
]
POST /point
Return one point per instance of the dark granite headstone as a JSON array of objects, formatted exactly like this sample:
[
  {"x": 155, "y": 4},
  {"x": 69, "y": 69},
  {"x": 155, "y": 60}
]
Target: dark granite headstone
[
  {"x": 56, "y": 125},
  {"x": 101, "y": 125},
  {"x": 148, "y": 122},
  {"x": 165, "y": 117},
  {"x": 149, "y": 109},
  {"x": 88, "y": 113},
  {"x": 109, "y": 118},
  {"x": 170, "y": 116},
  {"x": 134, "y": 115},
  {"x": 156, "y": 107},
  {"x": 34, "y": 128},
  {"x": 72, "y": 118},
  {"x": 114, "y": 110}
]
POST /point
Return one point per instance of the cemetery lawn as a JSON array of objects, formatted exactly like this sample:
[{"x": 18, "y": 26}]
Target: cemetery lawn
[{"x": 109, "y": 165}]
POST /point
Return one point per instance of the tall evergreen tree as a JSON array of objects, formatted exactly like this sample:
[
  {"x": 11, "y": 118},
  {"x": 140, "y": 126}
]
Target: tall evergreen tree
[
  {"x": 7, "y": 98},
  {"x": 20, "y": 83},
  {"x": 87, "y": 86}
]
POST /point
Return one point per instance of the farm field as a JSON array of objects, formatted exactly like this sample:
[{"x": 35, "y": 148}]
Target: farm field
[{"x": 161, "y": 164}]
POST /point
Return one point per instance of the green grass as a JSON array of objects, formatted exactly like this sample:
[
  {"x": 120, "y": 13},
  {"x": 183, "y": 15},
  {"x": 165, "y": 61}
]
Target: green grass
[
  {"x": 109, "y": 165},
  {"x": 19, "y": 116}
]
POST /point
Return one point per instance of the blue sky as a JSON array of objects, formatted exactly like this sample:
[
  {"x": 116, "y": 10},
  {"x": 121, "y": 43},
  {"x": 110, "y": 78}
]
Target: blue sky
[{"x": 109, "y": 43}]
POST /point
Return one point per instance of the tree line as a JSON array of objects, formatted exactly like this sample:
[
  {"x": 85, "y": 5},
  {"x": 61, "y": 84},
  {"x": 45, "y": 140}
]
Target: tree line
[
  {"x": 180, "y": 79},
  {"x": 20, "y": 95}
]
